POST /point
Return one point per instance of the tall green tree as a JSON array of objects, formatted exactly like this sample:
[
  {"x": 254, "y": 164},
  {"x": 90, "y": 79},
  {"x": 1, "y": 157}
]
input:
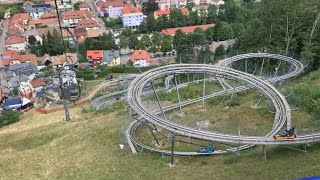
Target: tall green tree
[
  {"x": 166, "y": 46},
  {"x": 141, "y": 46},
  {"x": 212, "y": 14},
  {"x": 133, "y": 42},
  {"x": 223, "y": 31},
  {"x": 146, "y": 39},
  {"x": 124, "y": 42},
  {"x": 219, "y": 53},
  {"x": 156, "y": 38},
  {"x": 151, "y": 23}
]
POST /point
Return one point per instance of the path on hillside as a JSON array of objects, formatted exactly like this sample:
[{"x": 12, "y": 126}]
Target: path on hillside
[{"x": 96, "y": 89}]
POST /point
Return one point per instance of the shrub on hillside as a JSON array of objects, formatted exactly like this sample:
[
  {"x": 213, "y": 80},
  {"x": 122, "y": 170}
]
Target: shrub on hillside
[{"x": 9, "y": 117}]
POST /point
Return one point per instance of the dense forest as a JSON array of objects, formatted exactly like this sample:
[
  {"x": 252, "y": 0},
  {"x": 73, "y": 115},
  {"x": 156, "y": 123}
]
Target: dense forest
[{"x": 280, "y": 26}]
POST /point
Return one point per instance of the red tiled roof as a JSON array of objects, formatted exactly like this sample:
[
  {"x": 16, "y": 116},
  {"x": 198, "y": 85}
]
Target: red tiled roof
[
  {"x": 22, "y": 16},
  {"x": 140, "y": 55},
  {"x": 95, "y": 54},
  {"x": 14, "y": 40},
  {"x": 60, "y": 59},
  {"x": 187, "y": 29},
  {"x": 43, "y": 21},
  {"x": 79, "y": 14},
  {"x": 80, "y": 32},
  {"x": 37, "y": 82},
  {"x": 167, "y": 12},
  {"x": 115, "y": 3},
  {"x": 87, "y": 23},
  {"x": 31, "y": 58},
  {"x": 48, "y": 15},
  {"x": 9, "y": 56},
  {"x": 130, "y": 9},
  {"x": 84, "y": 5},
  {"x": 184, "y": 10},
  {"x": 162, "y": 12},
  {"x": 45, "y": 58}
]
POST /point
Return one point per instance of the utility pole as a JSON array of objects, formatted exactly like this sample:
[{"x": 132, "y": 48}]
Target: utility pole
[{"x": 65, "y": 94}]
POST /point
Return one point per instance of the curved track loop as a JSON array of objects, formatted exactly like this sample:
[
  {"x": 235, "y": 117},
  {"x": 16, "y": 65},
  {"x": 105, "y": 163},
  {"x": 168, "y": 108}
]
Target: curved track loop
[{"x": 283, "y": 112}]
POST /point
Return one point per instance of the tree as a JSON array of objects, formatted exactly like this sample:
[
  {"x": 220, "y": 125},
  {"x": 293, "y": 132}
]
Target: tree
[
  {"x": 162, "y": 22},
  {"x": 143, "y": 28},
  {"x": 151, "y": 23},
  {"x": 238, "y": 29},
  {"x": 156, "y": 38},
  {"x": 9, "y": 117},
  {"x": 2, "y": 12},
  {"x": 193, "y": 18},
  {"x": 146, "y": 39},
  {"x": 202, "y": 16},
  {"x": 150, "y": 8},
  {"x": 190, "y": 6},
  {"x": 176, "y": 18},
  {"x": 198, "y": 38},
  {"x": 178, "y": 37},
  {"x": 124, "y": 42},
  {"x": 126, "y": 32},
  {"x": 76, "y": 6},
  {"x": 206, "y": 56},
  {"x": 166, "y": 46},
  {"x": 223, "y": 31},
  {"x": 209, "y": 34},
  {"x": 219, "y": 52},
  {"x": 212, "y": 14},
  {"x": 153, "y": 49},
  {"x": 133, "y": 42},
  {"x": 141, "y": 46}
]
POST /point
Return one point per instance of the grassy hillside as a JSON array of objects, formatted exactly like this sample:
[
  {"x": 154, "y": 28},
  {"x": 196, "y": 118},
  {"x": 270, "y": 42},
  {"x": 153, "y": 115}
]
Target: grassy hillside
[{"x": 46, "y": 147}]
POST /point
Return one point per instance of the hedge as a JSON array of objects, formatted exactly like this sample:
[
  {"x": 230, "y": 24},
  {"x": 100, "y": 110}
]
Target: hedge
[{"x": 9, "y": 117}]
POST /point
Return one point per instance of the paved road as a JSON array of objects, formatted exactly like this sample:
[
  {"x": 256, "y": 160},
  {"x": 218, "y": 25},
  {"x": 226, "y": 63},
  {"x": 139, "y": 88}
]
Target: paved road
[
  {"x": 93, "y": 9},
  {"x": 3, "y": 77}
]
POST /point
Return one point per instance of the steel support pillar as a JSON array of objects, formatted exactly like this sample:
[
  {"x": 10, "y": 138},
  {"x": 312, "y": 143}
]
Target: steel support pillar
[
  {"x": 261, "y": 67},
  {"x": 204, "y": 89},
  {"x": 264, "y": 152},
  {"x": 66, "y": 110},
  {"x": 155, "y": 138},
  {"x": 172, "y": 149},
  {"x": 155, "y": 93},
  {"x": 175, "y": 80}
]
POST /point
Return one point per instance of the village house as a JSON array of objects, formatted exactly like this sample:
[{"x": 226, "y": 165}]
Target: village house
[
  {"x": 140, "y": 58},
  {"x": 167, "y": 12},
  {"x": 110, "y": 8},
  {"x": 84, "y": 6},
  {"x": 132, "y": 17},
  {"x": 37, "y": 10},
  {"x": 17, "y": 43},
  {"x": 71, "y": 18}
]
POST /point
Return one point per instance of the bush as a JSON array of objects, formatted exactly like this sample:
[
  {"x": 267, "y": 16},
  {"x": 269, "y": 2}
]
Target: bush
[{"x": 9, "y": 117}]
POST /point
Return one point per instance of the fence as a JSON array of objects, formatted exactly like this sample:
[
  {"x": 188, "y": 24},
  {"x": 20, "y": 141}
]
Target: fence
[{"x": 47, "y": 111}]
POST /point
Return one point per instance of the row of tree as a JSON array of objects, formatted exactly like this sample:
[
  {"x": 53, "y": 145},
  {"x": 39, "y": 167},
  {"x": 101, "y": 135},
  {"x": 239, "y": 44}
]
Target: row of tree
[
  {"x": 153, "y": 44},
  {"x": 52, "y": 44},
  {"x": 230, "y": 13},
  {"x": 283, "y": 26}
]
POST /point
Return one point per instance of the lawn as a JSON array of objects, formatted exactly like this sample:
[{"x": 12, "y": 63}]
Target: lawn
[{"x": 47, "y": 147}]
